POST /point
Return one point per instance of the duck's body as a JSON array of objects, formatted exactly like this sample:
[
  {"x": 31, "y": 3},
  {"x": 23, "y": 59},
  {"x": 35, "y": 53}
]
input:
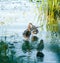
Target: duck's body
[{"x": 26, "y": 33}]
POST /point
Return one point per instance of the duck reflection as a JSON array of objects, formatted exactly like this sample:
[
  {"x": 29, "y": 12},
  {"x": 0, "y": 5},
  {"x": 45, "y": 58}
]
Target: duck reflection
[
  {"x": 26, "y": 46},
  {"x": 40, "y": 56},
  {"x": 34, "y": 38},
  {"x": 40, "y": 45},
  {"x": 34, "y": 41}
]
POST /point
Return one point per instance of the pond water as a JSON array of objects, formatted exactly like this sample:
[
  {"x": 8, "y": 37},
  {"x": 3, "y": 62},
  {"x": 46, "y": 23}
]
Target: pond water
[{"x": 15, "y": 16}]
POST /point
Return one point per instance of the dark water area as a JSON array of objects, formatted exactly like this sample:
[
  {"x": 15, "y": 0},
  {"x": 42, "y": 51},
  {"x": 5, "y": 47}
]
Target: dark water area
[{"x": 11, "y": 51}]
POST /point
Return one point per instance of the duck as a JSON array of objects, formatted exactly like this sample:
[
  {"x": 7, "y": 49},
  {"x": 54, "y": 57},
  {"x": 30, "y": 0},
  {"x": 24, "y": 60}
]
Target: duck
[
  {"x": 26, "y": 34},
  {"x": 33, "y": 28}
]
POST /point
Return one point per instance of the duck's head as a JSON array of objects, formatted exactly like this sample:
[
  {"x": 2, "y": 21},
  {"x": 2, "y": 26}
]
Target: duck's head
[
  {"x": 29, "y": 26},
  {"x": 41, "y": 40}
]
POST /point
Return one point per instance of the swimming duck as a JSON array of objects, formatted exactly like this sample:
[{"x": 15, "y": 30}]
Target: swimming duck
[
  {"x": 26, "y": 34},
  {"x": 33, "y": 28}
]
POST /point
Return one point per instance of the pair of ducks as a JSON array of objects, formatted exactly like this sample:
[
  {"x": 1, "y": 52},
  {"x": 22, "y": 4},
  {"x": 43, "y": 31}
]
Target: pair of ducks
[{"x": 30, "y": 29}]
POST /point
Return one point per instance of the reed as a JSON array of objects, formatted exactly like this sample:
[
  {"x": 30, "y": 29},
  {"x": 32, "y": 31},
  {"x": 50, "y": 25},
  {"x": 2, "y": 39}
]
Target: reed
[{"x": 50, "y": 9}]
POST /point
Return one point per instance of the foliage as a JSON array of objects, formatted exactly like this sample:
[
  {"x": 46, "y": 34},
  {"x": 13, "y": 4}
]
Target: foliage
[
  {"x": 3, "y": 47},
  {"x": 50, "y": 9},
  {"x": 52, "y": 14}
]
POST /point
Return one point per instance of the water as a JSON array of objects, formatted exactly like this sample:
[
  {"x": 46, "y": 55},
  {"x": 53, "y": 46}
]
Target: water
[
  {"x": 51, "y": 51},
  {"x": 16, "y": 18}
]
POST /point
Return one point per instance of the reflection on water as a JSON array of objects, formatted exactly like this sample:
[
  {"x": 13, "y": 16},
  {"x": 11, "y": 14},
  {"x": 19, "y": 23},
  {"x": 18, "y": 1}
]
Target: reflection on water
[
  {"x": 13, "y": 51},
  {"x": 54, "y": 47},
  {"x": 34, "y": 38},
  {"x": 26, "y": 46},
  {"x": 40, "y": 56}
]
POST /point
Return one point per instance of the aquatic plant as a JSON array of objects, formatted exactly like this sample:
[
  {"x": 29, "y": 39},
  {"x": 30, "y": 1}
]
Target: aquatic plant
[
  {"x": 52, "y": 14},
  {"x": 3, "y": 47},
  {"x": 49, "y": 12}
]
